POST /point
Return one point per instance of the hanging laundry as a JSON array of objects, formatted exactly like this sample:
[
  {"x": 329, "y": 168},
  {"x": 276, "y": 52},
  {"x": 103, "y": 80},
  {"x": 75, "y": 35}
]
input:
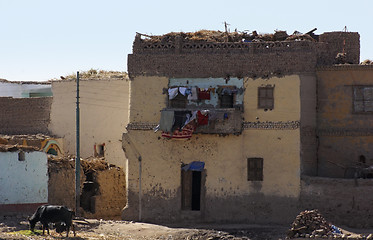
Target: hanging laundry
[
  {"x": 193, "y": 95},
  {"x": 202, "y": 119},
  {"x": 185, "y": 133},
  {"x": 226, "y": 91},
  {"x": 167, "y": 120},
  {"x": 180, "y": 119},
  {"x": 204, "y": 94},
  {"x": 188, "y": 91},
  {"x": 182, "y": 90},
  {"x": 191, "y": 118},
  {"x": 172, "y": 93}
]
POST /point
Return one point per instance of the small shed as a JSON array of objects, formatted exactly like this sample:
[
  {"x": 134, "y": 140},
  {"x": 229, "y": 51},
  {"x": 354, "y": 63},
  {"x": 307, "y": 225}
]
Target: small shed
[{"x": 23, "y": 178}]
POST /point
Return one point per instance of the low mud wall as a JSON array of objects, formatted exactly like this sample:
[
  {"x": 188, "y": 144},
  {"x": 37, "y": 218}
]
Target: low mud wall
[
  {"x": 103, "y": 187},
  {"x": 343, "y": 202}
]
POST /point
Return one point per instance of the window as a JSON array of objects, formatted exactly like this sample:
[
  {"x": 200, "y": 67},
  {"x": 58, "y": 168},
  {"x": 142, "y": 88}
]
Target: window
[
  {"x": 21, "y": 156},
  {"x": 99, "y": 150},
  {"x": 265, "y": 97},
  {"x": 226, "y": 101},
  {"x": 363, "y": 99},
  {"x": 255, "y": 169}
]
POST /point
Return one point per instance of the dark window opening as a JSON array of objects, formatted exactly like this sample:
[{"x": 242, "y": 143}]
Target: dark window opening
[
  {"x": 21, "y": 156},
  {"x": 255, "y": 169},
  {"x": 191, "y": 190},
  {"x": 52, "y": 151},
  {"x": 100, "y": 150},
  {"x": 363, "y": 99},
  {"x": 180, "y": 101},
  {"x": 226, "y": 101},
  {"x": 265, "y": 97}
]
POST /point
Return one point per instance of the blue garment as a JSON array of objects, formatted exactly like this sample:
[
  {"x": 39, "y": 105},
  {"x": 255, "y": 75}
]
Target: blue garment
[{"x": 188, "y": 91}]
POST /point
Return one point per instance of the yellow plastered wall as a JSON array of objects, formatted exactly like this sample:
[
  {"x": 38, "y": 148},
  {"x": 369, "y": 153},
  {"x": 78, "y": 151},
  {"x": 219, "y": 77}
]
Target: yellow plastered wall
[
  {"x": 225, "y": 157},
  {"x": 286, "y": 99},
  {"x": 147, "y": 98}
]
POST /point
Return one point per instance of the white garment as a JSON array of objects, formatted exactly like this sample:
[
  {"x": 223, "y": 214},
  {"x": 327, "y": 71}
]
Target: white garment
[
  {"x": 190, "y": 118},
  {"x": 182, "y": 90},
  {"x": 172, "y": 93}
]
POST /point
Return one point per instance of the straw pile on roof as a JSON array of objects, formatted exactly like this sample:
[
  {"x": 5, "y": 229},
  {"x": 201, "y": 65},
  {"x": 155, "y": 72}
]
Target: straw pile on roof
[
  {"x": 219, "y": 36},
  {"x": 96, "y": 74}
]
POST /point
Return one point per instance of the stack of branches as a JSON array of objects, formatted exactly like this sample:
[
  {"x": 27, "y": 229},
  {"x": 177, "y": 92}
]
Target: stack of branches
[
  {"x": 310, "y": 223},
  {"x": 95, "y": 164}
]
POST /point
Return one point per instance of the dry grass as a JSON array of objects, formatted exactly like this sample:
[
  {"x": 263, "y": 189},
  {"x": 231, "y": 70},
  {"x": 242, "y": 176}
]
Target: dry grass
[{"x": 96, "y": 74}]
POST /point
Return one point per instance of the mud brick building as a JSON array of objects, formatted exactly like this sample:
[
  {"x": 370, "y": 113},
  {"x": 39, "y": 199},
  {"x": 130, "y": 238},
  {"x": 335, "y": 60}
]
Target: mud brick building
[{"x": 244, "y": 163}]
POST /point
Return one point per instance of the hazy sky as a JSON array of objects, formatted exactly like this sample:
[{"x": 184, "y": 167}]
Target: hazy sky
[{"x": 44, "y": 39}]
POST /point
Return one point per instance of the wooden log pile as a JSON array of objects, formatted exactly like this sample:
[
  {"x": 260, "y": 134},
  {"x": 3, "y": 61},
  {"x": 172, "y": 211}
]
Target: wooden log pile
[{"x": 310, "y": 223}]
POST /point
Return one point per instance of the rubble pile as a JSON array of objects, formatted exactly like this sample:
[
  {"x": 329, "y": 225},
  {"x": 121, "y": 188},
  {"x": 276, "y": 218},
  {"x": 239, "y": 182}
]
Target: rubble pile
[{"x": 311, "y": 223}]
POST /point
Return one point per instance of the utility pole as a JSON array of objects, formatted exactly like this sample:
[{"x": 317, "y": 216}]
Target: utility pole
[{"x": 77, "y": 159}]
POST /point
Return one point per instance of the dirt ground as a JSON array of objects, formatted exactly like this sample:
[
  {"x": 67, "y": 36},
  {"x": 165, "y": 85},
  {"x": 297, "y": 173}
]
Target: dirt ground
[{"x": 14, "y": 228}]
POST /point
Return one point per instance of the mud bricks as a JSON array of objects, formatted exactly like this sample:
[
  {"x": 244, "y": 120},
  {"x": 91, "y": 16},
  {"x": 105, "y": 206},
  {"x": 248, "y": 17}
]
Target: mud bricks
[{"x": 259, "y": 59}]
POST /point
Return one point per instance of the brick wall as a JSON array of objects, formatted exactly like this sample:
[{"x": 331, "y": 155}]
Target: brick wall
[
  {"x": 221, "y": 65},
  {"x": 180, "y": 58},
  {"x": 337, "y": 41},
  {"x": 24, "y": 115}
]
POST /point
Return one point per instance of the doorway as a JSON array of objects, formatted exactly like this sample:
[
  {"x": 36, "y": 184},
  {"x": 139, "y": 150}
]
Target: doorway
[{"x": 191, "y": 186}]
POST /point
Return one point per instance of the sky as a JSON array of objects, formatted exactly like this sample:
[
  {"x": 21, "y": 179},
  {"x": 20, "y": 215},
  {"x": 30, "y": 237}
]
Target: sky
[{"x": 46, "y": 39}]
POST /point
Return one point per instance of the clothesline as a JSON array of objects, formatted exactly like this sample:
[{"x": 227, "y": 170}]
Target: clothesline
[{"x": 195, "y": 93}]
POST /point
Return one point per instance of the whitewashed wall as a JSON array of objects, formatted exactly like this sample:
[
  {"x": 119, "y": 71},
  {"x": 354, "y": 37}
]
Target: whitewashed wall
[
  {"x": 21, "y": 90},
  {"x": 23, "y": 181},
  {"x": 104, "y": 113}
]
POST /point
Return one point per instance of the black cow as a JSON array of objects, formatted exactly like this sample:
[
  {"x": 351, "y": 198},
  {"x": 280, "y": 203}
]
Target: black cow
[{"x": 52, "y": 214}]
